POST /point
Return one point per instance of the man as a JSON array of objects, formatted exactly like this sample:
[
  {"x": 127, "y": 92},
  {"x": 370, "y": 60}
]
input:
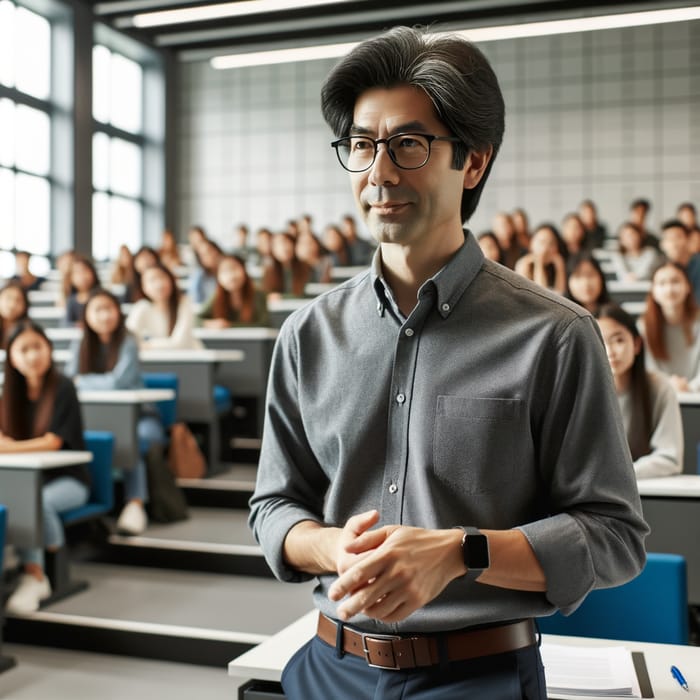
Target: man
[
  {"x": 639, "y": 210},
  {"x": 434, "y": 392},
  {"x": 675, "y": 245}
]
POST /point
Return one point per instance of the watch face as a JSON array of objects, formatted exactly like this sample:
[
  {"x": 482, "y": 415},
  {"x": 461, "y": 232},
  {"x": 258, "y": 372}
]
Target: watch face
[{"x": 478, "y": 552}]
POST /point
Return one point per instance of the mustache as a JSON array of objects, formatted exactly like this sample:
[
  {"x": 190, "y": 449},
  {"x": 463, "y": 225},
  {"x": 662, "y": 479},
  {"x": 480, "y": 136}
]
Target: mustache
[{"x": 376, "y": 194}]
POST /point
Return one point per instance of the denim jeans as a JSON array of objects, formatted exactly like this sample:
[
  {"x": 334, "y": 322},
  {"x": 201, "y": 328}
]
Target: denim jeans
[{"x": 150, "y": 431}]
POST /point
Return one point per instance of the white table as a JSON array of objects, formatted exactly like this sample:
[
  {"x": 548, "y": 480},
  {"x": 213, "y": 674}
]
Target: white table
[
  {"x": 671, "y": 506},
  {"x": 628, "y": 291},
  {"x": 266, "y": 661}
]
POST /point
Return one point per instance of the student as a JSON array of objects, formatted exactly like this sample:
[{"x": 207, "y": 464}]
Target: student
[
  {"x": 144, "y": 258},
  {"x": 544, "y": 263},
  {"x": 521, "y": 224},
  {"x": 39, "y": 411},
  {"x": 284, "y": 274},
  {"x": 637, "y": 260},
  {"x": 586, "y": 282},
  {"x": 336, "y": 244},
  {"x": 23, "y": 276},
  {"x": 261, "y": 254},
  {"x": 14, "y": 307},
  {"x": 671, "y": 328},
  {"x": 574, "y": 234},
  {"x": 675, "y": 244},
  {"x": 83, "y": 279},
  {"x": 490, "y": 247},
  {"x": 64, "y": 263},
  {"x": 361, "y": 250},
  {"x": 318, "y": 262},
  {"x": 107, "y": 358},
  {"x": 596, "y": 233},
  {"x": 203, "y": 280},
  {"x": 123, "y": 269},
  {"x": 236, "y": 301},
  {"x": 165, "y": 317},
  {"x": 168, "y": 252},
  {"x": 687, "y": 214},
  {"x": 649, "y": 407},
  {"x": 504, "y": 230}
]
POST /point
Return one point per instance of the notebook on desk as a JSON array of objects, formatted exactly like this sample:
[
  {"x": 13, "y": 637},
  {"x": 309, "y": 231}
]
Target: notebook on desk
[{"x": 595, "y": 672}]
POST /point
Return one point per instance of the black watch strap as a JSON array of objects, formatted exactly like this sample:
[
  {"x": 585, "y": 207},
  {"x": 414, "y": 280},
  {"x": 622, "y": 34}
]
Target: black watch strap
[{"x": 475, "y": 551}]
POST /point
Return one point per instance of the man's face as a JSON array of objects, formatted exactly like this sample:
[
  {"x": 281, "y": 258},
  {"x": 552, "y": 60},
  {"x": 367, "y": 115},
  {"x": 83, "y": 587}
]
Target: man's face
[
  {"x": 406, "y": 206},
  {"x": 674, "y": 244}
]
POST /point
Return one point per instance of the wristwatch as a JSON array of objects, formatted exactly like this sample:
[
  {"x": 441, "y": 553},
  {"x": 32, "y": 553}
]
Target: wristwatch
[{"x": 475, "y": 551}]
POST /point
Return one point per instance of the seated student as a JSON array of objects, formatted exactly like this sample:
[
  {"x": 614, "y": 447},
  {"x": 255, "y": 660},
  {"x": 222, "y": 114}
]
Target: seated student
[
  {"x": 586, "y": 282},
  {"x": 573, "y": 233},
  {"x": 637, "y": 260},
  {"x": 202, "y": 281},
  {"x": 361, "y": 250},
  {"x": 638, "y": 212},
  {"x": 23, "y": 276},
  {"x": 169, "y": 253},
  {"x": 596, "y": 233},
  {"x": 544, "y": 263},
  {"x": 670, "y": 325},
  {"x": 687, "y": 214},
  {"x": 83, "y": 279},
  {"x": 650, "y": 411},
  {"x": 39, "y": 411},
  {"x": 14, "y": 307},
  {"x": 284, "y": 274},
  {"x": 165, "y": 317},
  {"x": 694, "y": 240},
  {"x": 262, "y": 251},
  {"x": 505, "y": 232},
  {"x": 123, "y": 268},
  {"x": 490, "y": 247},
  {"x": 236, "y": 301},
  {"x": 144, "y": 258},
  {"x": 336, "y": 244},
  {"x": 107, "y": 358},
  {"x": 64, "y": 263},
  {"x": 675, "y": 245},
  {"x": 319, "y": 264}
]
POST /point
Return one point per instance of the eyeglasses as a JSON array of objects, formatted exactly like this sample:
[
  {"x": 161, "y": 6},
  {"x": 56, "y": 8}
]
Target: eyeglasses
[{"x": 407, "y": 151}]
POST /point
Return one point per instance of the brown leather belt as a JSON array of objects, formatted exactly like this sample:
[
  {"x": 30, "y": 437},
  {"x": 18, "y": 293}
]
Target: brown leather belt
[{"x": 398, "y": 652}]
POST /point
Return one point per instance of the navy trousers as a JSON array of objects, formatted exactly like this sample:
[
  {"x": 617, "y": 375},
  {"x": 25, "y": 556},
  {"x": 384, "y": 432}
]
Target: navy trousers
[{"x": 318, "y": 672}]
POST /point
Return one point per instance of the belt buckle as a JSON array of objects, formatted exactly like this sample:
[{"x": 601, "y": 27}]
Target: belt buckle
[{"x": 380, "y": 638}]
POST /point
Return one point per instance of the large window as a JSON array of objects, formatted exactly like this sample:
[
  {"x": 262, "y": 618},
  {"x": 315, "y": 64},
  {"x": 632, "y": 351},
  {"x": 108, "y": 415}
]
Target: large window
[
  {"x": 127, "y": 149},
  {"x": 26, "y": 110}
]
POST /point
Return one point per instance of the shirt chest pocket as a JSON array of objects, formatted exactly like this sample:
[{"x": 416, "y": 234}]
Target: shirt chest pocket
[{"x": 474, "y": 442}]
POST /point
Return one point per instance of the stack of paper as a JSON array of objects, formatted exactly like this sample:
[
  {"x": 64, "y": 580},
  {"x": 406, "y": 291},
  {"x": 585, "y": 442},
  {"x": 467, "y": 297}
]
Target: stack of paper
[{"x": 598, "y": 672}]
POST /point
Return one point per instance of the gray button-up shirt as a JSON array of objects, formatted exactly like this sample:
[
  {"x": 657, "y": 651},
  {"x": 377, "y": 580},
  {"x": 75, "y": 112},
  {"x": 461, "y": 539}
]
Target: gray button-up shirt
[{"x": 491, "y": 405}]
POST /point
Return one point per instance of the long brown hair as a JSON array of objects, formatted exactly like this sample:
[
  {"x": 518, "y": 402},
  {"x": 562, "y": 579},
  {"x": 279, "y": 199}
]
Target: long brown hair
[
  {"x": 90, "y": 358},
  {"x": 15, "y": 404},
  {"x": 273, "y": 273},
  {"x": 5, "y": 329},
  {"x": 86, "y": 262},
  {"x": 641, "y": 428},
  {"x": 223, "y": 307},
  {"x": 175, "y": 294},
  {"x": 655, "y": 321}
]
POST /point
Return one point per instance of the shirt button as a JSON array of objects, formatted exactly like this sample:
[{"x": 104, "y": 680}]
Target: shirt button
[
  {"x": 393, "y": 488},
  {"x": 409, "y": 332},
  {"x": 445, "y": 307},
  {"x": 400, "y": 398}
]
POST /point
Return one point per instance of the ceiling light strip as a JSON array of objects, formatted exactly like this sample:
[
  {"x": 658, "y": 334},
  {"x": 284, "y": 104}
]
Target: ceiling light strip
[{"x": 477, "y": 34}]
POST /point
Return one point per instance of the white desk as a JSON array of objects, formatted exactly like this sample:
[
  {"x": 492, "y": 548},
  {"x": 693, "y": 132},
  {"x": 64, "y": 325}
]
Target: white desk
[
  {"x": 628, "y": 291},
  {"x": 48, "y": 316},
  {"x": 20, "y": 491},
  {"x": 266, "y": 661},
  {"x": 279, "y": 309},
  {"x": 345, "y": 272},
  {"x": 118, "y": 412},
  {"x": 671, "y": 506}
]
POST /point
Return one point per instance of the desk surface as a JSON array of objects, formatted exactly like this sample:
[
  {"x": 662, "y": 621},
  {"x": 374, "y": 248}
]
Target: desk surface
[
  {"x": 242, "y": 333},
  {"x": 682, "y": 485},
  {"x": 137, "y": 396},
  {"x": 44, "y": 460},
  {"x": 170, "y": 355},
  {"x": 266, "y": 661},
  {"x": 638, "y": 286}
]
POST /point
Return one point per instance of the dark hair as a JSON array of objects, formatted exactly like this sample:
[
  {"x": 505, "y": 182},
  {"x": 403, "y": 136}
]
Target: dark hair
[
  {"x": 5, "y": 331},
  {"x": 674, "y": 223},
  {"x": 135, "y": 293},
  {"x": 492, "y": 237},
  {"x": 90, "y": 359},
  {"x": 640, "y": 429},
  {"x": 640, "y": 202},
  {"x": 175, "y": 294},
  {"x": 222, "y": 306},
  {"x": 15, "y": 411},
  {"x": 197, "y": 257},
  {"x": 454, "y": 74},
  {"x": 636, "y": 229},
  {"x": 573, "y": 263},
  {"x": 686, "y": 205},
  {"x": 273, "y": 279},
  {"x": 655, "y": 321},
  {"x": 85, "y": 262}
]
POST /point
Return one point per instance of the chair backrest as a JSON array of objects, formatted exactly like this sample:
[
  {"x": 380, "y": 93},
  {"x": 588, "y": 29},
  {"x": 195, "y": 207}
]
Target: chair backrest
[
  {"x": 163, "y": 380},
  {"x": 101, "y": 500},
  {"x": 651, "y": 608},
  {"x": 3, "y": 521}
]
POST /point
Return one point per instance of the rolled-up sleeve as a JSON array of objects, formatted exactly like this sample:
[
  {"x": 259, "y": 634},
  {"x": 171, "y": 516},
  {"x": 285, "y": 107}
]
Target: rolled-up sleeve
[{"x": 594, "y": 537}]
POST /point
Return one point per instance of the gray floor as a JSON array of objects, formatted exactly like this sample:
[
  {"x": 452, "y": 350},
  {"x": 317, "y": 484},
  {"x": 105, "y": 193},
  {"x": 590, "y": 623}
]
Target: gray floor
[
  {"x": 218, "y": 525},
  {"x": 56, "y": 674},
  {"x": 191, "y": 599}
]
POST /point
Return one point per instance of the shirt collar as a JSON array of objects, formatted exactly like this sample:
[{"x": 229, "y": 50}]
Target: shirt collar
[{"x": 449, "y": 282}]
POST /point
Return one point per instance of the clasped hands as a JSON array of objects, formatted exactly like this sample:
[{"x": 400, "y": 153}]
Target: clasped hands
[{"x": 392, "y": 571}]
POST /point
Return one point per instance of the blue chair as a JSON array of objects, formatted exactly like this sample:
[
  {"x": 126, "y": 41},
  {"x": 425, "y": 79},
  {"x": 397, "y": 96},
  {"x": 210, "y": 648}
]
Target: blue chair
[
  {"x": 651, "y": 608},
  {"x": 101, "y": 500},
  {"x": 223, "y": 400},
  {"x": 163, "y": 380}
]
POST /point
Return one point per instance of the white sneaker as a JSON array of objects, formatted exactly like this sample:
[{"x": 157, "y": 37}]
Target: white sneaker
[
  {"x": 28, "y": 595},
  {"x": 133, "y": 519}
]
